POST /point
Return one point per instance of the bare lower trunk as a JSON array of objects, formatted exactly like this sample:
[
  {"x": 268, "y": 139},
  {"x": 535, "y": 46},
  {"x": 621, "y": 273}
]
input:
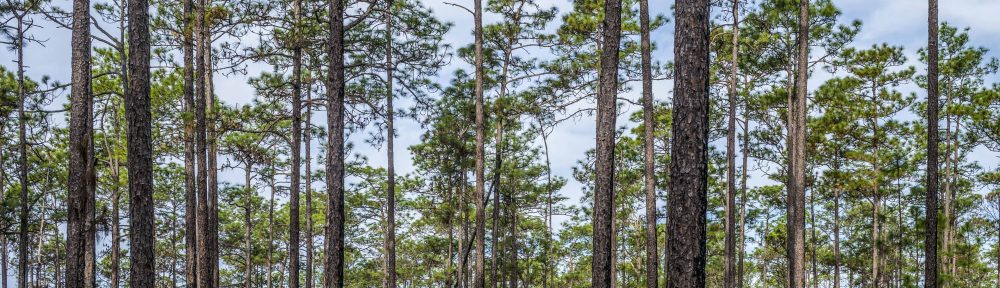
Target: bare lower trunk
[
  {"x": 604, "y": 164},
  {"x": 190, "y": 177},
  {"x": 308, "y": 190},
  {"x": 390, "y": 239},
  {"x": 140, "y": 149},
  {"x": 480, "y": 280},
  {"x": 296, "y": 157},
  {"x": 80, "y": 192},
  {"x": 796, "y": 149},
  {"x": 334, "y": 262},
  {"x": 648, "y": 119},
  {"x": 689, "y": 150},
  {"x": 729, "y": 280}
]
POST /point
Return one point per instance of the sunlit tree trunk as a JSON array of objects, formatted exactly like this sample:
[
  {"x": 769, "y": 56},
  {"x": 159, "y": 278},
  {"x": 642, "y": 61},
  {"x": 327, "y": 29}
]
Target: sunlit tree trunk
[
  {"x": 930, "y": 200},
  {"x": 142, "y": 233}
]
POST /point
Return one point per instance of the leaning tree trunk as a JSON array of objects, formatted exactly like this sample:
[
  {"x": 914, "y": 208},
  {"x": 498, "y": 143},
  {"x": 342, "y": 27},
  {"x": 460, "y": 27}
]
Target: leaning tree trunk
[
  {"x": 796, "y": 136},
  {"x": 689, "y": 150},
  {"x": 334, "y": 263},
  {"x": 729, "y": 280},
  {"x": 930, "y": 200},
  {"x": 604, "y": 164},
  {"x": 140, "y": 149},
  {"x": 648, "y": 119},
  {"x": 80, "y": 195}
]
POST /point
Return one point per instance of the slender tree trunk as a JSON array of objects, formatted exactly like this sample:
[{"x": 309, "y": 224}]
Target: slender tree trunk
[
  {"x": 115, "y": 232},
  {"x": 212, "y": 163},
  {"x": 390, "y": 239},
  {"x": 836, "y": 226},
  {"x": 334, "y": 262},
  {"x": 604, "y": 165},
  {"x": 79, "y": 229},
  {"x": 649, "y": 120},
  {"x": 797, "y": 169},
  {"x": 308, "y": 189},
  {"x": 480, "y": 280},
  {"x": 689, "y": 150},
  {"x": 22, "y": 258},
  {"x": 140, "y": 149},
  {"x": 547, "y": 270},
  {"x": 247, "y": 210},
  {"x": 812, "y": 228},
  {"x": 201, "y": 148},
  {"x": 743, "y": 196},
  {"x": 190, "y": 176},
  {"x": 296, "y": 150},
  {"x": 498, "y": 158},
  {"x": 930, "y": 200},
  {"x": 270, "y": 236},
  {"x": 730, "y": 208},
  {"x": 3, "y": 236}
]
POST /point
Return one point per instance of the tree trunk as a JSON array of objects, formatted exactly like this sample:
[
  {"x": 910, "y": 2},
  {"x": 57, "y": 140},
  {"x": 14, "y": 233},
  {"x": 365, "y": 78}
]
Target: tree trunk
[
  {"x": 689, "y": 150},
  {"x": 247, "y": 210},
  {"x": 201, "y": 148},
  {"x": 296, "y": 149},
  {"x": 836, "y": 226},
  {"x": 140, "y": 149},
  {"x": 22, "y": 247},
  {"x": 80, "y": 193},
  {"x": 604, "y": 165},
  {"x": 729, "y": 280},
  {"x": 480, "y": 280},
  {"x": 212, "y": 164},
  {"x": 743, "y": 196},
  {"x": 190, "y": 176},
  {"x": 390, "y": 239},
  {"x": 270, "y": 235},
  {"x": 334, "y": 262},
  {"x": 648, "y": 119},
  {"x": 930, "y": 200},
  {"x": 3, "y": 236},
  {"x": 797, "y": 169},
  {"x": 308, "y": 189}
]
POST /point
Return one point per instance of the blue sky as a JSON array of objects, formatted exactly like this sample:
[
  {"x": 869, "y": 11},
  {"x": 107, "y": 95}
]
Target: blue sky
[{"x": 896, "y": 22}]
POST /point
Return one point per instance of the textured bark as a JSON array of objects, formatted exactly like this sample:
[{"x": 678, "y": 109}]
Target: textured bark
[
  {"x": 390, "y": 195},
  {"x": 201, "y": 150},
  {"x": 729, "y": 276},
  {"x": 334, "y": 263},
  {"x": 213, "y": 166},
  {"x": 22, "y": 148},
  {"x": 796, "y": 150},
  {"x": 308, "y": 190},
  {"x": 3, "y": 236},
  {"x": 743, "y": 196},
  {"x": 480, "y": 280},
  {"x": 689, "y": 150},
  {"x": 604, "y": 165},
  {"x": 140, "y": 148},
  {"x": 190, "y": 176},
  {"x": 930, "y": 200},
  {"x": 296, "y": 149},
  {"x": 80, "y": 193},
  {"x": 648, "y": 119},
  {"x": 247, "y": 177},
  {"x": 836, "y": 227}
]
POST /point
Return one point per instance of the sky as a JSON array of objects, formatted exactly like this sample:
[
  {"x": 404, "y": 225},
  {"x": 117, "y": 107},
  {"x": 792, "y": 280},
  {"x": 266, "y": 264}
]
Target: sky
[{"x": 896, "y": 22}]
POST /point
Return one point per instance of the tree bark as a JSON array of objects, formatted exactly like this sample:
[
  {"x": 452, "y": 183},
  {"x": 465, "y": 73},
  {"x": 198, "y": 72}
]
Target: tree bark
[
  {"x": 930, "y": 200},
  {"x": 334, "y": 262},
  {"x": 836, "y": 226},
  {"x": 648, "y": 119},
  {"x": 22, "y": 247},
  {"x": 480, "y": 280},
  {"x": 296, "y": 149},
  {"x": 201, "y": 148},
  {"x": 190, "y": 176},
  {"x": 729, "y": 279},
  {"x": 212, "y": 163},
  {"x": 604, "y": 165},
  {"x": 689, "y": 150},
  {"x": 796, "y": 148},
  {"x": 3, "y": 236},
  {"x": 308, "y": 189},
  {"x": 247, "y": 210},
  {"x": 140, "y": 149},
  {"x": 743, "y": 195},
  {"x": 80, "y": 193},
  {"x": 390, "y": 239}
]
